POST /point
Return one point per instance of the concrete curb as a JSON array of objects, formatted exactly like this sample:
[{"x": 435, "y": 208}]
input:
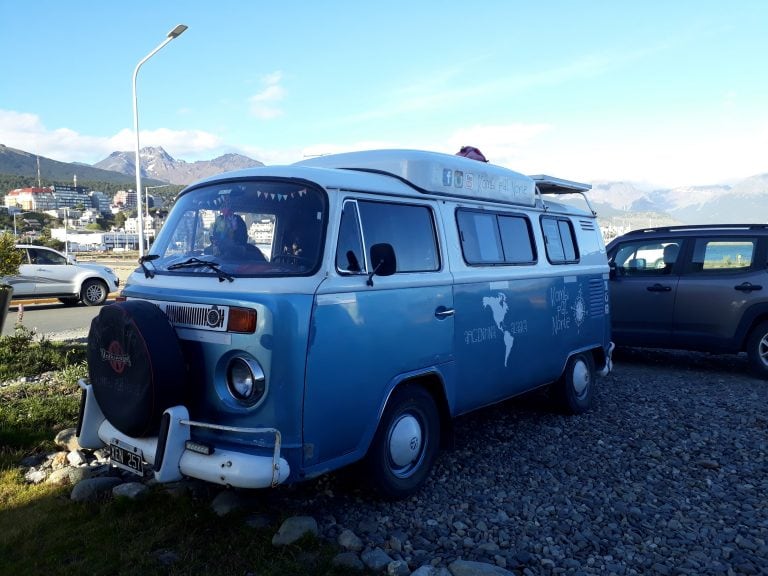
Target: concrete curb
[{"x": 27, "y": 301}]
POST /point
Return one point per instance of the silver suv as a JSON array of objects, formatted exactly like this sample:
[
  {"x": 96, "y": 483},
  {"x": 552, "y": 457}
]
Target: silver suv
[
  {"x": 46, "y": 273},
  {"x": 692, "y": 288}
]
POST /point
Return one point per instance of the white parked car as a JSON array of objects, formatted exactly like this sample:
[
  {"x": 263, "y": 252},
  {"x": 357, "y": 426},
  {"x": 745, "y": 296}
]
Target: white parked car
[{"x": 47, "y": 273}]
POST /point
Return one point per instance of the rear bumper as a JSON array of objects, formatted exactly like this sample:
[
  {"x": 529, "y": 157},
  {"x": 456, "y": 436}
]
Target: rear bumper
[
  {"x": 608, "y": 360},
  {"x": 170, "y": 456}
]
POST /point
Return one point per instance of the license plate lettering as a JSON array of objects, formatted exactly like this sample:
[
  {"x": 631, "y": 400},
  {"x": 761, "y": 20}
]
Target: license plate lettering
[{"x": 127, "y": 457}]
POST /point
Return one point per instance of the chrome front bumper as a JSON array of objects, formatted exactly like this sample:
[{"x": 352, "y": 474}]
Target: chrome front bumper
[{"x": 226, "y": 467}]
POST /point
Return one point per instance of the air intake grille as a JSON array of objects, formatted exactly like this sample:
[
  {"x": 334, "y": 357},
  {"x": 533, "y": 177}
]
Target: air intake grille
[
  {"x": 201, "y": 316},
  {"x": 587, "y": 224}
]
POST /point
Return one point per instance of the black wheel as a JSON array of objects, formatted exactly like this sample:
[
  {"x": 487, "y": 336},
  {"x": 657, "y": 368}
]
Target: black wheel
[
  {"x": 757, "y": 350},
  {"x": 574, "y": 390},
  {"x": 135, "y": 365},
  {"x": 405, "y": 445},
  {"x": 94, "y": 292},
  {"x": 69, "y": 301}
]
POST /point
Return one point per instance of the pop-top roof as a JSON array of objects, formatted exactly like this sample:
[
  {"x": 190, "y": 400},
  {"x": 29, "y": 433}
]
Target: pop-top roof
[
  {"x": 438, "y": 173},
  {"x": 550, "y": 185}
]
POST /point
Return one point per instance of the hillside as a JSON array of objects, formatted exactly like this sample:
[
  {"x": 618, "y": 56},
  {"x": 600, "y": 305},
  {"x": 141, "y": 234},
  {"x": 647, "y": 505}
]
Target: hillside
[{"x": 22, "y": 164}]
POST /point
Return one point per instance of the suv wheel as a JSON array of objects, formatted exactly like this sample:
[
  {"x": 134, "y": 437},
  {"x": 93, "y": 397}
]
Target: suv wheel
[
  {"x": 94, "y": 292},
  {"x": 757, "y": 350}
]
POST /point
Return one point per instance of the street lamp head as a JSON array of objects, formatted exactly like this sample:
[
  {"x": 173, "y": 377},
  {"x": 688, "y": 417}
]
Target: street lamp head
[{"x": 176, "y": 32}]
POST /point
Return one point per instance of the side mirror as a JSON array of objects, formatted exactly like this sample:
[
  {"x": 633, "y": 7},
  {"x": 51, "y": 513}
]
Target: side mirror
[
  {"x": 383, "y": 261},
  {"x": 612, "y": 271}
]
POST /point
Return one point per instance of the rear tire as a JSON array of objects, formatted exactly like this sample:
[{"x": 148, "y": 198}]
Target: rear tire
[
  {"x": 757, "y": 350},
  {"x": 405, "y": 445},
  {"x": 574, "y": 391},
  {"x": 94, "y": 292}
]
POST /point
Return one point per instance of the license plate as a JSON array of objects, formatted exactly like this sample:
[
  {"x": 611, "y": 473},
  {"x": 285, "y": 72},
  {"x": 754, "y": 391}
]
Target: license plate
[{"x": 126, "y": 457}]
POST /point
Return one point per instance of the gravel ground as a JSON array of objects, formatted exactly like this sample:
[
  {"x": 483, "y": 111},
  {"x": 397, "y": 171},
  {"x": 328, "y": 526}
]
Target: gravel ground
[{"x": 667, "y": 475}]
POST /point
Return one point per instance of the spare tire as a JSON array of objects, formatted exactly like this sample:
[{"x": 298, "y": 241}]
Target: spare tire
[{"x": 135, "y": 365}]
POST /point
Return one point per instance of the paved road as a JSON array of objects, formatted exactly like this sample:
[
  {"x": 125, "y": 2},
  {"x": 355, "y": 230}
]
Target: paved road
[{"x": 55, "y": 321}]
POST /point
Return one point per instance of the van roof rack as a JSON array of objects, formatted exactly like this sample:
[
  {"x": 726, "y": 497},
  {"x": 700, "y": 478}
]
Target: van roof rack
[{"x": 551, "y": 185}]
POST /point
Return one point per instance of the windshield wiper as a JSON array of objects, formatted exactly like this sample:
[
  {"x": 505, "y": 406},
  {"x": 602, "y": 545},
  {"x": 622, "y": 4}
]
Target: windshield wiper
[
  {"x": 197, "y": 263},
  {"x": 148, "y": 258}
]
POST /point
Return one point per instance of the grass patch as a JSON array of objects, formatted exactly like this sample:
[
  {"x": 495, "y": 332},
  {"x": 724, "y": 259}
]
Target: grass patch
[
  {"x": 43, "y": 532},
  {"x": 22, "y": 355}
]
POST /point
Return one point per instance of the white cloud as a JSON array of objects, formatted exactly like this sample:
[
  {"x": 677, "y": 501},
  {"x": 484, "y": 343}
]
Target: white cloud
[
  {"x": 263, "y": 105},
  {"x": 26, "y": 132}
]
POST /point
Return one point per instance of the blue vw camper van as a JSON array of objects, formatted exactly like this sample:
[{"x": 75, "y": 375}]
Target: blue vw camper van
[{"x": 292, "y": 320}]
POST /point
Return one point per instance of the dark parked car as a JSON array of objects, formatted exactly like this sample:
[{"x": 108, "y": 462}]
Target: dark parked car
[{"x": 692, "y": 288}]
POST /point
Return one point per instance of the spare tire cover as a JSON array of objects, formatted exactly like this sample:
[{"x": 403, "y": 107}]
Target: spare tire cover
[{"x": 135, "y": 365}]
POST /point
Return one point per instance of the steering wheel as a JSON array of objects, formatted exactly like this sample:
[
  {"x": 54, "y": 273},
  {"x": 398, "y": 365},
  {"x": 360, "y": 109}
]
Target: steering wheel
[{"x": 291, "y": 259}]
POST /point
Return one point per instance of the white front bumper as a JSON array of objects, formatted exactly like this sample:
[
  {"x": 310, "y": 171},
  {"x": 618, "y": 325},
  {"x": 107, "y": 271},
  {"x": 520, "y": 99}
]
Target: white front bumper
[{"x": 226, "y": 467}]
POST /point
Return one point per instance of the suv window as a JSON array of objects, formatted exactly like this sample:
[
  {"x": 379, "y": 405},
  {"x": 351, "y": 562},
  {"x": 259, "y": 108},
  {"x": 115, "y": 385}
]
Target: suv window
[
  {"x": 647, "y": 257},
  {"x": 723, "y": 254},
  {"x": 409, "y": 229},
  {"x": 490, "y": 239},
  {"x": 559, "y": 239},
  {"x": 39, "y": 256}
]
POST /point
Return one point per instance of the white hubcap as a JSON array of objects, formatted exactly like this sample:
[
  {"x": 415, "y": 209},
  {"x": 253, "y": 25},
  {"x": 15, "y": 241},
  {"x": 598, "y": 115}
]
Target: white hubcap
[
  {"x": 405, "y": 440},
  {"x": 580, "y": 378}
]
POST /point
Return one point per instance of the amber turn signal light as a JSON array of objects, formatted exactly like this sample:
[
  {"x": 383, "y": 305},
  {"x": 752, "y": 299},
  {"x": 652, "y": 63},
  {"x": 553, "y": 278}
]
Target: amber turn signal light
[{"x": 242, "y": 320}]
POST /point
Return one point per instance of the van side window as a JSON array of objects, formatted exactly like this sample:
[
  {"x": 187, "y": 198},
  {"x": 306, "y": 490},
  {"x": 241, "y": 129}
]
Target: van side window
[
  {"x": 516, "y": 238},
  {"x": 489, "y": 239},
  {"x": 349, "y": 250},
  {"x": 409, "y": 229},
  {"x": 559, "y": 239}
]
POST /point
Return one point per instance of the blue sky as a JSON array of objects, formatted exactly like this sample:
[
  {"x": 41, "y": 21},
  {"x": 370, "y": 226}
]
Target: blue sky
[{"x": 662, "y": 93}]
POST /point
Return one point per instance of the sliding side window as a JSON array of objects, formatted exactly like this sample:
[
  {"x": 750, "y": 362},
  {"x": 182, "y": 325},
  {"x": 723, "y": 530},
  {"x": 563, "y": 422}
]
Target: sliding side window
[
  {"x": 559, "y": 239},
  {"x": 489, "y": 239}
]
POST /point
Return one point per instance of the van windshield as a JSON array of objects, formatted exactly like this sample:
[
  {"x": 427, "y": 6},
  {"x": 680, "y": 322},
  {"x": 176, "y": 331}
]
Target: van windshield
[{"x": 243, "y": 228}]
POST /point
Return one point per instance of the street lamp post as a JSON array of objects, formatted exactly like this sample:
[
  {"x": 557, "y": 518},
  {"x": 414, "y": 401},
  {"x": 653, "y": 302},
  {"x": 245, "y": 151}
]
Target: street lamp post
[
  {"x": 175, "y": 33},
  {"x": 15, "y": 235},
  {"x": 146, "y": 202}
]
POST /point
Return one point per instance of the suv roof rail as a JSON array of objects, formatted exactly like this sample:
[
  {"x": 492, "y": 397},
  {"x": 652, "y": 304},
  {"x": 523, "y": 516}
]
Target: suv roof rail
[{"x": 685, "y": 227}]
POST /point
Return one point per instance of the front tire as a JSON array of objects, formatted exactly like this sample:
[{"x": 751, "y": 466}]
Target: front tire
[
  {"x": 94, "y": 292},
  {"x": 405, "y": 445},
  {"x": 574, "y": 390},
  {"x": 757, "y": 350}
]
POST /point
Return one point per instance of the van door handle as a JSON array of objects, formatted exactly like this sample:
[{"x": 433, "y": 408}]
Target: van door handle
[
  {"x": 659, "y": 288},
  {"x": 443, "y": 312},
  {"x": 748, "y": 287}
]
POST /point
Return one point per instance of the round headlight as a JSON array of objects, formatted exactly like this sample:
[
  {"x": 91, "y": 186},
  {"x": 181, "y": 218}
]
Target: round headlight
[{"x": 245, "y": 380}]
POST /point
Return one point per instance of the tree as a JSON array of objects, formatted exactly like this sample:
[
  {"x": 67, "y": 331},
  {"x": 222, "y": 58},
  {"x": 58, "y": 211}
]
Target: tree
[{"x": 120, "y": 220}]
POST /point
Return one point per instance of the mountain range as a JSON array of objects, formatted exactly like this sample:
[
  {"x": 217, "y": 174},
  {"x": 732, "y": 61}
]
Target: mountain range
[
  {"x": 621, "y": 203},
  {"x": 157, "y": 163}
]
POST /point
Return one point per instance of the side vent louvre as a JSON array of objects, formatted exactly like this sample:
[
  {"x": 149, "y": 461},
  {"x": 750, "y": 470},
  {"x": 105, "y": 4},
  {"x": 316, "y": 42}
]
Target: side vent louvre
[
  {"x": 597, "y": 298},
  {"x": 587, "y": 224}
]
